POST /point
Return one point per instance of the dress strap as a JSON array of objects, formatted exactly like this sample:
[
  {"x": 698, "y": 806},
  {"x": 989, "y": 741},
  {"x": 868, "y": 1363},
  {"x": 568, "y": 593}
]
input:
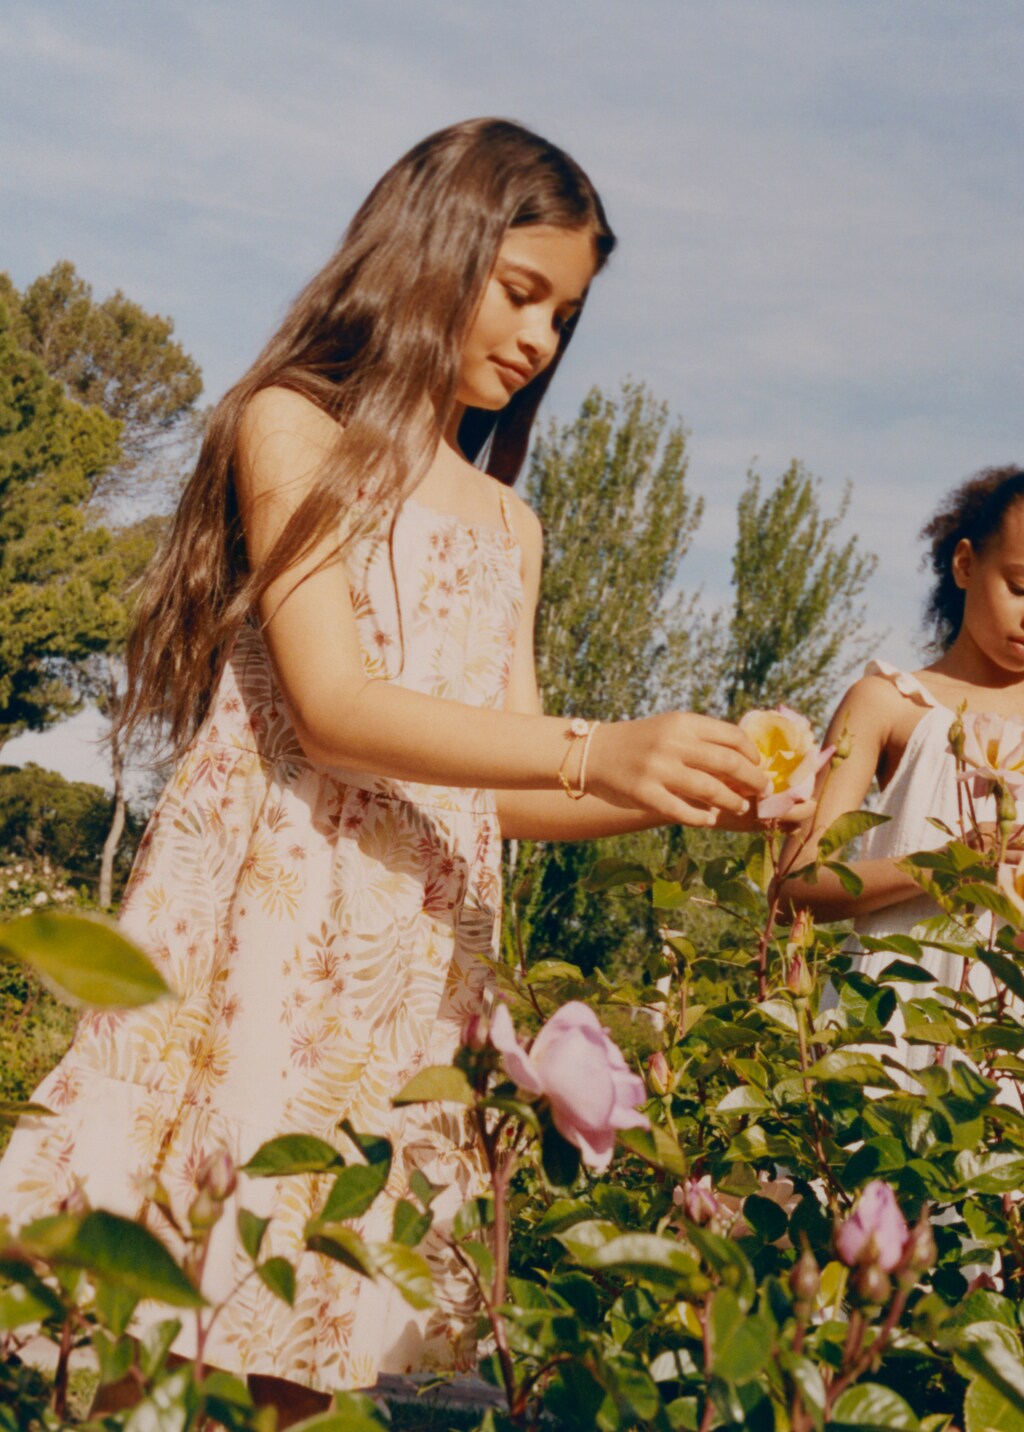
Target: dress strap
[{"x": 904, "y": 682}]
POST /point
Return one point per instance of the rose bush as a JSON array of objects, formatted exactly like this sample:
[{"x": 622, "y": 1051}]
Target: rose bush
[{"x": 768, "y": 1247}]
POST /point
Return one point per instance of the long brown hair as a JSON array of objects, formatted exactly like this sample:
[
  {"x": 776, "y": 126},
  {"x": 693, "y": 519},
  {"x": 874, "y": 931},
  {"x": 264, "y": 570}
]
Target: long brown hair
[{"x": 380, "y": 327}]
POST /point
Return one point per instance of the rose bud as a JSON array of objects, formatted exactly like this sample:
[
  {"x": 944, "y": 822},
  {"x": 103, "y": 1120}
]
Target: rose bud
[
  {"x": 205, "y": 1211},
  {"x": 475, "y": 1032},
  {"x": 216, "y": 1175},
  {"x": 843, "y": 748},
  {"x": 659, "y": 1074},
  {"x": 805, "y": 1277},
  {"x": 871, "y": 1284},
  {"x": 699, "y": 1201},
  {"x": 875, "y": 1234},
  {"x": 920, "y": 1252},
  {"x": 957, "y": 737},
  {"x": 799, "y": 979}
]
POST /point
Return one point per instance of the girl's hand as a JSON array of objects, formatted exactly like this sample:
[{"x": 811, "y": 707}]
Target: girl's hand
[{"x": 684, "y": 768}]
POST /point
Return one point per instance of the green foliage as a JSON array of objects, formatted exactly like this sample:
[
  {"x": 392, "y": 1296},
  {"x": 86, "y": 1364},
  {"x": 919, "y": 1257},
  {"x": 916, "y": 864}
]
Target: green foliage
[
  {"x": 45, "y": 816},
  {"x": 111, "y": 355},
  {"x": 792, "y": 631}
]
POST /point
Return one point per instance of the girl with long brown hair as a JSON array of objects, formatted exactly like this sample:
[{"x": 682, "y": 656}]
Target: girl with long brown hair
[{"x": 339, "y": 636}]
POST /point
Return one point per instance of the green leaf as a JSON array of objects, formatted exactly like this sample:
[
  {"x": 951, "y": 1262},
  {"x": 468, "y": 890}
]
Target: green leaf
[
  {"x": 481, "y": 1256},
  {"x": 741, "y": 1343},
  {"x": 643, "y": 1255},
  {"x": 114, "y": 1307},
  {"x": 343, "y": 1244},
  {"x": 440, "y": 1083},
  {"x": 156, "y": 1344},
  {"x": 421, "y": 1186},
  {"x": 353, "y": 1191},
  {"x": 986, "y": 1410},
  {"x": 848, "y": 879},
  {"x": 744, "y": 1099},
  {"x": 606, "y": 874},
  {"x": 728, "y": 1261},
  {"x": 563, "y": 1213},
  {"x": 477, "y": 1213},
  {"x": 123, "y": 1252},
  {"x": 780, "y": 1011},
  {"x": 293, "y": 1153},
  {"x": 765, "y": 1217},
  {"x": 990, "y": 1172},
  {"x": 850, "y": 1066},
  {"x": 1006, "y": 971},
  {"x": 989, "y": 898},
  {"x": 992, "y": 1352},
  {"x": 869, "y": 1405},
  {"x": 545, "y": 970},
  {"x": 846, "y": 828},
  {"x": 352, "y": 1412},
  {"x": 11, "y": 1110},
  {"x": 655, "y": 1146},
  {"x": 409, "y": 1225},
  {"x": 560, "y": 1160},
  {"x": 278, "y": 1275},
  {"x": 85, "y": 958},
  {"x": 250, "y": 1232},
  {"x": 20, "y": 1305},
  {"x": 408, "y": 1270},
  {"x": 374, "y": 1148}
]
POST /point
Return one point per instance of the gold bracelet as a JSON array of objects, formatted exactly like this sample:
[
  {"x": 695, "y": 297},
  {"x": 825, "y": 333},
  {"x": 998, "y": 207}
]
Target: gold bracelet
[{"x": 578, "y": 730}]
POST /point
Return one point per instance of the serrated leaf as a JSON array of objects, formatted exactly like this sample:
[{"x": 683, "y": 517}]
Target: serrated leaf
[
  {"x": 655, "y": 1146},
  {"x": 850, "y": 1066},
  {"x": 743, "y": 1100},
  {"x": 85, "y": 959},
  {"x": 250, "y": 1232},
  {"x": 848, "y": 827},
  {"x": 408, "y": 1270},
  {"x": 990, "y": 898},
  {"x": 741, "y": 1342},
  {"x": 409, "y": 1225},
  {"x": 781, "y": 1012},
  {"x": 441, "y": 1083},
  {"x": 610, "y": 872},
  {"x": 353, "y": 1191},
  {"x": 278, "y": 1275},
  {"x": 1006, "y": 971},
  {"x": 343, "y": 1244},
  {"x": 986, "y": 1410},
  {"x": 553, "y": 969},
  {"x": 293, "y": 1153},
  {"x": 126, "y": 1254},
  {"x": 848, "y": 879},
  {"x": 871, "y": 1406},
  {"x": 476, "y": 1213}
]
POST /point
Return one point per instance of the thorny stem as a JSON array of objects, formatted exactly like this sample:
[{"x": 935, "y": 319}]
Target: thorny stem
[
  {"x": 500, "y": 1171},
  {"x": 818, "y": 1140},
  {"x": 60, "y": 1377},
  {"x": 708, "y": 1418},
  {"x": 866, "y": 1355}
]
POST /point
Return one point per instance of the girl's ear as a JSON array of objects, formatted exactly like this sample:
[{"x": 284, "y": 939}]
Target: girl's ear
[{"x": 963, "y": 562}]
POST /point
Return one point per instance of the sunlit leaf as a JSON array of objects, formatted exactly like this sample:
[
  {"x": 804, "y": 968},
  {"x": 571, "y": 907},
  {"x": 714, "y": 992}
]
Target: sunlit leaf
[
  {"x": 84, "y": 958},
  {"x": 293, "y": 1153},
  {"x": 440, "y": 1083}
]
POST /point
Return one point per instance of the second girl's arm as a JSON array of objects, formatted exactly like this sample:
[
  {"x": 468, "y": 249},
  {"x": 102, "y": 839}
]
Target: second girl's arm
[
  {"x": 866, "y": 714},
  {"x": 673, "y": 766}
]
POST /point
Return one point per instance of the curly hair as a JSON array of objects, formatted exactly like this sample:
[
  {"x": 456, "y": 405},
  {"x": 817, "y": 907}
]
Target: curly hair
[{"x": 973, "y": 512}]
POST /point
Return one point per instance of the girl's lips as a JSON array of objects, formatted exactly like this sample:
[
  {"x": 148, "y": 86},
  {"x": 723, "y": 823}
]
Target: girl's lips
[{"x": 512, "y": 374}]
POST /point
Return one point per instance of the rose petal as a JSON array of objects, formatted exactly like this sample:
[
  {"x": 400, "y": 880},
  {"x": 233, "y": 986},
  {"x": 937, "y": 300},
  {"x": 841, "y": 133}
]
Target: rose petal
[{"x": 518, "y": 1064}]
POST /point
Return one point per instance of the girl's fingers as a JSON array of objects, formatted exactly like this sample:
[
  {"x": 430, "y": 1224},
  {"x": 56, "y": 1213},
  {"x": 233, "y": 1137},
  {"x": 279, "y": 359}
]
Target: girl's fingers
[
  {"x": 728, "y": 765},
  {"x": 709, "y": 791}
]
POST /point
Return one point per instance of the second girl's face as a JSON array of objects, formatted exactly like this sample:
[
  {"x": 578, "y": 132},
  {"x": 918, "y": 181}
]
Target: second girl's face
[
  {"x": 537, "y": 284},
  {"x": 993, "y": 584}
]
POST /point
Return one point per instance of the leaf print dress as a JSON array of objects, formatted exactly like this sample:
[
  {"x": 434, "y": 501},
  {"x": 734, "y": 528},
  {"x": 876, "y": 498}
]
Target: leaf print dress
[{"x": 321, "y": 929}]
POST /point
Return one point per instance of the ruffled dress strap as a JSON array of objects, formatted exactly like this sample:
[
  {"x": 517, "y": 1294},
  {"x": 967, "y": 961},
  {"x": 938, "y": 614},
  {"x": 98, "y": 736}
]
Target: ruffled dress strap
[{"x": 904, "y": 681}]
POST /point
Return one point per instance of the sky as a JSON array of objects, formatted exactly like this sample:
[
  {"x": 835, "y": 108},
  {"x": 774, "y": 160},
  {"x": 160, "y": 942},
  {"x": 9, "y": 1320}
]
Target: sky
[{"x": 818, "y": 204}]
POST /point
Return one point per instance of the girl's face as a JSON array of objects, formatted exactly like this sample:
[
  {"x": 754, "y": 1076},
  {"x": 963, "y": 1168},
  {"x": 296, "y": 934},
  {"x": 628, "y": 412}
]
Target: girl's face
[
  {"x": 992, "y": 581},
  {"x": 538, "y": 282}
]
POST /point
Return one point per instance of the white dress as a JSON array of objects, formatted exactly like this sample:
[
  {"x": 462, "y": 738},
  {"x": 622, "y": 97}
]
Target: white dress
[{"x": 922, "y": 786}]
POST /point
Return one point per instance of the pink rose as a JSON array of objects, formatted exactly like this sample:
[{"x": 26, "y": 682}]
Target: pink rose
[
  {"x": 575, "y": 1065},
  {"x": 993, "y": 751},
  {"x": 789, "y": 753},
  {"x": 876, "y": 1231},
  {"x": 699, "y": 1201},
  {"x": 1010, "y": 880}
]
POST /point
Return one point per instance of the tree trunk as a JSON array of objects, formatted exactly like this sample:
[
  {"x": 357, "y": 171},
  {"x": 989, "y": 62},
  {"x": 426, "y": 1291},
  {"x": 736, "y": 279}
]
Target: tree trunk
[{"x": 113, "y": 840}]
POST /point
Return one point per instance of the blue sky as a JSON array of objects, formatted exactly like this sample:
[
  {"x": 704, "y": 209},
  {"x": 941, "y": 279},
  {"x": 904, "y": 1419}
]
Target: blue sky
[{"x": 819, "y": 206}]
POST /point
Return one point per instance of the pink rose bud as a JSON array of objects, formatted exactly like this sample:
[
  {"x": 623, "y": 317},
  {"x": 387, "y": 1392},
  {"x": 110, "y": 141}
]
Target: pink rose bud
[
  {"x": 475, "y": 1031},
  {"x": 799, "y": 979},
  {"x": 216, "y": 1175},
  {"x": 659, "y": 1074},
  {"x": 699, "y": 1201},
  {"x": 805, "y": 1278},
  {"x": 577, "y": 1067},
  {"x": 920, "y": 1251},
  {"x": 875, "y": 1232}
]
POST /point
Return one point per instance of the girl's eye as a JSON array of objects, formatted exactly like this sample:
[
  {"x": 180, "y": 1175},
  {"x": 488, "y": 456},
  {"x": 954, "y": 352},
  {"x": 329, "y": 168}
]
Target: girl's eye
[
  {"x": 1016, "y": 591},
  {"x": 517, "y": 296}
]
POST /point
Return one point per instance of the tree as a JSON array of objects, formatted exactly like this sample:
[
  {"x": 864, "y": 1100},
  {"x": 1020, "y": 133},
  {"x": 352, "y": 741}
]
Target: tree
[
  {"x": 113, "y": 355},
  {"x": 61, "y": 576},
  {"x": 613, "y": 632},
  {"x": 44, "y": 815},
  {"x": 791, "y": 634}
]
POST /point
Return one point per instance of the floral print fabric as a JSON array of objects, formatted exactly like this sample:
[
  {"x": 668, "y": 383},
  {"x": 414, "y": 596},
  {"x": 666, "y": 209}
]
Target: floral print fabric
[{"x": 322, "y": 931}]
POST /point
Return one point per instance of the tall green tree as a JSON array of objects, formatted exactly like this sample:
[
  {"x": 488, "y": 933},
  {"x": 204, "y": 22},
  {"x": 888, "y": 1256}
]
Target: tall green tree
[
  {"x": 795, "y": 626},
  {"x": 613, "y": 632},
  {"x": 61, "y": 574},
  {"x": 115, "y": 355}
]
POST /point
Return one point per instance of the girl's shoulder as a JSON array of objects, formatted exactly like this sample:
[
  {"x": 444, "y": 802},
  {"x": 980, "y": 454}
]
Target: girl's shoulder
[{"x": 885, "y": 703}]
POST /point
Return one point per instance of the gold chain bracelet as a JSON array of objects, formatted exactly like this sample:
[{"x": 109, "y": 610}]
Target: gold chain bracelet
[{"x": 577, "y": 730}]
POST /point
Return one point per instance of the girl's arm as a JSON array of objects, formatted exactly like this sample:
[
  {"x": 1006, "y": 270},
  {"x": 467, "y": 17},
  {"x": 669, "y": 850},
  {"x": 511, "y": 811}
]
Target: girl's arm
[
  {"x": 867, "y": 714},
  {"x": 676, "y": 767},
  {"x": 548, "y": 814}
]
